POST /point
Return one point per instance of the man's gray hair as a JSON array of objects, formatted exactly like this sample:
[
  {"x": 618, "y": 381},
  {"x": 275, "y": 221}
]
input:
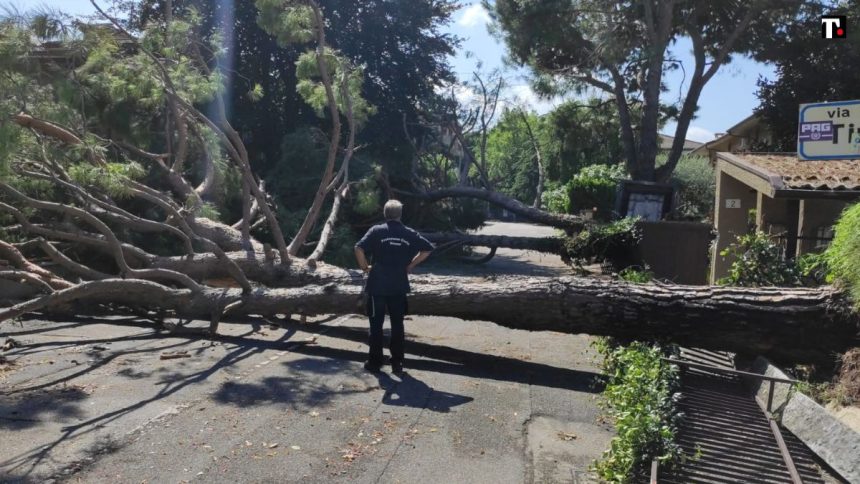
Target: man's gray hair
[{"x": 392, "y": 210}]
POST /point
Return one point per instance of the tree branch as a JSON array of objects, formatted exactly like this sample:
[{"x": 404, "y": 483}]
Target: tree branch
[{"x": 334, "y": 143}]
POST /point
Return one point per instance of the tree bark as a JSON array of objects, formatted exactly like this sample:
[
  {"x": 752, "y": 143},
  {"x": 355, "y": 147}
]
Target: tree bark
[
  {"x": 538, "y": 160},
  {"x": 562, "y": 221},
  {"x": 552, "y": 245},
  {"x": 798, "y": 325},
  {"x": 343, "y": 176},
  {"x": 334, "y": 143}
]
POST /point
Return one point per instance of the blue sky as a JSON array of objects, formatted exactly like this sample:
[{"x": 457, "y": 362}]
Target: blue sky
[{"x": 727, "y": 98}]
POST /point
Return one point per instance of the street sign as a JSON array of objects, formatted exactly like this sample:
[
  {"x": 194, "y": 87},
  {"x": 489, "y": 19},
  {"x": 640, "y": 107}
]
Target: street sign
[{"x": 829, "y": 131}]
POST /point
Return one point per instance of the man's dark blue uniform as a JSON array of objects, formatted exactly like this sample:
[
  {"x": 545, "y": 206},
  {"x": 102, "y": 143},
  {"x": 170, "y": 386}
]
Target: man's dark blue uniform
[{"x": 392, "y": 247}]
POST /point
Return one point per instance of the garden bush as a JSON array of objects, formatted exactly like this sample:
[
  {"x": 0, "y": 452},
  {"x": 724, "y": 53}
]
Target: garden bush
[
  {"x": 695, "y": 184},
  {"x": 640, "y": 397},
  {"x": 555, "y": 198},
  {"x": 594, "y": 187},
  {"x": 759, "y": 262},
  {"x": 843, "y": 256},
  {"x": 613, "y": 243},
  {"x": 636, "y": 275}
]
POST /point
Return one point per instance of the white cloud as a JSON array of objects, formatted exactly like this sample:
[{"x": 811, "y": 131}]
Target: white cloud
[
  {"x": 701, "y": 135},
  {"x": 464, "y": 95},
  {"x": 474, "y": 15},
  {"x": 523, "y": 95},
  {"x": 514, "y": 97}
]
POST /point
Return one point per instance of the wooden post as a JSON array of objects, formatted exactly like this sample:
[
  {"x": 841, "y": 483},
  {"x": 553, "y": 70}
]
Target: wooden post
[{"x": 791, "y": 236}]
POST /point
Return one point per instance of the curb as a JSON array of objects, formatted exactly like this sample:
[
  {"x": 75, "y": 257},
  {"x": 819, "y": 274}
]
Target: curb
[{"x": 834, "y": 442}]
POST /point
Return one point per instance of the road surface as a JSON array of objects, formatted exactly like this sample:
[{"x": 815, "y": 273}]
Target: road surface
[{"x": 281, "y": 401}]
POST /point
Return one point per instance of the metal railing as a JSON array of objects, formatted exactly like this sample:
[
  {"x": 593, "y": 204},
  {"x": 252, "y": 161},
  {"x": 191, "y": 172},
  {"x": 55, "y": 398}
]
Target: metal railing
[{"x": 774, "y": 427}]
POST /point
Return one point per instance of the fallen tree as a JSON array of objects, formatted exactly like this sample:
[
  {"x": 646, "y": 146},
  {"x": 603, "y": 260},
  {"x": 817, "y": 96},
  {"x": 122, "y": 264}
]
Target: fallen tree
[
  {"x": 567, "y": 222},
  {"x": 552, "y": 245},
  {"x": 93, "y": 223},
  {"x": 785, "y": 324}
]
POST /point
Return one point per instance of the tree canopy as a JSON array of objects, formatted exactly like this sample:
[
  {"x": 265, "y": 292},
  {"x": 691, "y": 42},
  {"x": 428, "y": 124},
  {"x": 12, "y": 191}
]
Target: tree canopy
[
  {"x": 809, "y": 69},
  {"x": 574, "y": 135},
  {"x": 624, "y": 49},
  {"x": 511, "y": 154},
  {"x": 399, "y": 45}
]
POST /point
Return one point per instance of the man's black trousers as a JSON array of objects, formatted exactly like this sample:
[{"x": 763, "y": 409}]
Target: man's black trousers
[{"x": 396, "y": 307}]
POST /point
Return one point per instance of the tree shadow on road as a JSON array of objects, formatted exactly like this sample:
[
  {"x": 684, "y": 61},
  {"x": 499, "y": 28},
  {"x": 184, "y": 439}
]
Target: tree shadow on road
[
  {"x": 409, "y": 392},
  {"x": 295, "y": 389},
  {"x": 21, "y": 466},
  {"x": 58, "y": 404}
]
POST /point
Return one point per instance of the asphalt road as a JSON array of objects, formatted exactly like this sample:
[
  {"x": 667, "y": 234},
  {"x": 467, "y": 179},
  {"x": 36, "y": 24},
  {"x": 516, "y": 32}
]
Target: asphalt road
[{"x": 281, "y": 401}]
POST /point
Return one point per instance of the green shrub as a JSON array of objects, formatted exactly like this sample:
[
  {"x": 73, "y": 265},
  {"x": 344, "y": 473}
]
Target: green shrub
[
  {"x": 640, "y": 398},
  {"x": 695, "y": 183},
  {"x": 555, "y": 198},
  {"x": 614, "y": 243},
  {"x": 843, "y": 255},
  {"x": 594, "y": 187},
  {"x": 759, "y": 262},
  {"x": 813, "y": 269},
  {"x": 636, "y": 275}
]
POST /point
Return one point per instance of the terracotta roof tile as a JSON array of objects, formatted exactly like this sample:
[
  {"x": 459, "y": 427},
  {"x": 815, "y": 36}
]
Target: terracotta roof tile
[{"x": 808, "y": 174}]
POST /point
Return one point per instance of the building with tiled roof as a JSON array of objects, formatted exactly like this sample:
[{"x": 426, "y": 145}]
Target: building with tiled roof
[
  {"x": 665, "y": 143},
  {"x": 795, "y": 201},
  {"x": 749, "y": 134}
]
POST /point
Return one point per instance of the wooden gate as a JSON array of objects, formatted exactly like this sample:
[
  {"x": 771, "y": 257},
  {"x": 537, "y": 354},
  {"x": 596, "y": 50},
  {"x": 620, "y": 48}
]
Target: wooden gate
[{"x": 677, "y": 251}]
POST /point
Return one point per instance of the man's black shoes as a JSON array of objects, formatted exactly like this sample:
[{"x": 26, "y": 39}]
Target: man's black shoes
[{"x": 396, "y": 367}]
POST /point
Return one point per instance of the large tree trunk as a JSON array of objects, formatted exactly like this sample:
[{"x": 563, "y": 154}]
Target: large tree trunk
[
  {"x": 562, "y": 221},
  {"x": 785, "y": 324},
  {"x": 552, "y": 245}
]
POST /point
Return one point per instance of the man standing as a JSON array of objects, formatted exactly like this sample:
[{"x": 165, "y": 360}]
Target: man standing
[{"x": 395, "y": 250}]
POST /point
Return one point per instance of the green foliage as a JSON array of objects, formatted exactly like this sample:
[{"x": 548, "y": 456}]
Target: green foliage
[
  {"x": 256, "y": 93},
  {"x": 511, "y": 158},
  {"x": 208, "y": 210},
  {"x": 11, "y": 136},
  {"x": 613, "y": 243},
  {"x": 136, "y": 82},
  {"x": 345, "y": 80},
  {"x": 843, "y": 255},
  {"x": 582, "y": 134},
  {"x": 640, "y": 396},
  {"x": 367, "y": 197},
  {"x": 340, "y": 250},
  {"x": 555, "y": 198},
  {"x": 696, "y": 185},
  {"x": 813, "y": 269},
  {"x": 636, "y": 275},
  {"x": 403, "y": 48},
  {"x": 809, "y": 69},
  {"x": 759, "y": 262},
  {"x": 294, "y": 22},
  {"x": 112, "y": 178},
  {"x": 33, "y": 187},
  {"x": 290, "y": 22},
  {"x": 578, "y": 45},
  {"x": 594, "y": 188},
  {"x": 297, "y": 174}
]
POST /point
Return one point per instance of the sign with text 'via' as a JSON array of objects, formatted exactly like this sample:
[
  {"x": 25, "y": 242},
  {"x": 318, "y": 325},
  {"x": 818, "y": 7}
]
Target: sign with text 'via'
[{"x": 829, "y": 131}]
